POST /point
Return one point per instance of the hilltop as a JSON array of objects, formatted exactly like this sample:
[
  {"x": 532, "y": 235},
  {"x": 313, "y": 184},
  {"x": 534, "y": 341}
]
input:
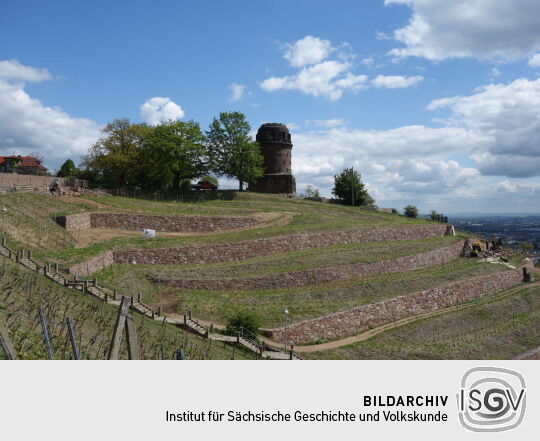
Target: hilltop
[{"x": 337, "y": 270}]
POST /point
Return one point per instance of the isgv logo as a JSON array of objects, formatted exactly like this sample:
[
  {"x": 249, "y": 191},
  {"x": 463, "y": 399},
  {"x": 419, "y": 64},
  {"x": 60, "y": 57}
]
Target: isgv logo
[{"x": 491, "y": 399}]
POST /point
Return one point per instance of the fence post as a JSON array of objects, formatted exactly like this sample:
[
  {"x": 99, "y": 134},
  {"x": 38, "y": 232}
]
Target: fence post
[
  {"x": 189, "y": 313},
  {"x": 56, "y": 267},
  {"x": 114, "y": 294},
  {"x": 138, "y": 298},
  {"x": 72, "y": 340},
  {"x": 160, "y": 310},
  {"x": 114, "y": 349},
  {"x": 10, "y": 351},
  {"x": 132, "y": 340},
  {"x": 45, "y": 333},
  {"x": 95, "y": 282}
]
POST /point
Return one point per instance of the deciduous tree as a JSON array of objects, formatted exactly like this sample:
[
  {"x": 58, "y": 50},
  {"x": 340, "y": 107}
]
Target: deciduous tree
[
  {"x": 349, "y": 188},
  {"x": 232, "y": 151}
]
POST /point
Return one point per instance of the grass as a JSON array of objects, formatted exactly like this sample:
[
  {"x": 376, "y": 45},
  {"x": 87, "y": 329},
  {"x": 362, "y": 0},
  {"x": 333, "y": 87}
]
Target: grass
[
  {"x": 302, "y": 302},
  {"x": 29, "y": 221},
  {"x": 299, "y": 260},
  {"x": 22, "y": 292},
  {"x": 498, "y": 330}
]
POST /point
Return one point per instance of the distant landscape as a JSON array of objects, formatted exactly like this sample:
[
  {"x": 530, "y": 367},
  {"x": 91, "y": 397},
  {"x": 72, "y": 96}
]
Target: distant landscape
[{"x": 513, "y": 229}]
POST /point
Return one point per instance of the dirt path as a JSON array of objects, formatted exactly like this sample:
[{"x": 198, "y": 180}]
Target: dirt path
[
  {"x": 375, "y": 331},
  {"x": 91, "y": 236}
]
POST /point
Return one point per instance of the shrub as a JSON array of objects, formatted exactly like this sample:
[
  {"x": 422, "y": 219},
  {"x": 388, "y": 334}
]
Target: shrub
[
  {"x": 243, "y": 321},
  {"x": 410, "y": 211}
]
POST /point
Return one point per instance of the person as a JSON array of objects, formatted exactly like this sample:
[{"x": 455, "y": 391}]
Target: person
[{"x": 55, "y": 186}]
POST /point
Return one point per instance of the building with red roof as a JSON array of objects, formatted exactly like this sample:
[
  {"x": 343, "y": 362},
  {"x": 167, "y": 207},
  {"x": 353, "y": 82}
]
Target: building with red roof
[{"x": 21, "y": 164}]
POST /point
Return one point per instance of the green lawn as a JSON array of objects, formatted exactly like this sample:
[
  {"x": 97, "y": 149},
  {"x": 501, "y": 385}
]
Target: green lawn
[
  {"x": 302, "y": 302},
  {"x": 499, "y": 330},
  {"x": 299, "y": 260}
]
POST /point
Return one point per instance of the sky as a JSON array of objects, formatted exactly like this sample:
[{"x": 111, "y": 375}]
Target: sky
[{"x": 435, "y": 103}]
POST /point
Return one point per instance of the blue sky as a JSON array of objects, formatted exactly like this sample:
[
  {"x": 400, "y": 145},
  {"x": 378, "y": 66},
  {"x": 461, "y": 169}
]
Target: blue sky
[{"x": 436, "y": 103}]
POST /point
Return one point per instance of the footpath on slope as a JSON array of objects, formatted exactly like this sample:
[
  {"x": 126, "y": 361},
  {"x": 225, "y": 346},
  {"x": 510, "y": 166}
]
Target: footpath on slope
[
  {"x": 186, "y": 321},
  {"x": 390, "y": 326}
]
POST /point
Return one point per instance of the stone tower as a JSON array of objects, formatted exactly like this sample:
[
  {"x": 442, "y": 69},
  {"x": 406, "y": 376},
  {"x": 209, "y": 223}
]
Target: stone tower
[{"x": 276, "y": 146}]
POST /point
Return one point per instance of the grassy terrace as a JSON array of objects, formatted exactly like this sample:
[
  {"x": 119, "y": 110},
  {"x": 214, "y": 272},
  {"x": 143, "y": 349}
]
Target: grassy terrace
[
  {"x": 22, "y": 292},
  {"x": 302, "y": 302},
  {"x": 299, "y": 260},
  {"x": 29, "y": 221},
  {"x": 499, "y": 330}
]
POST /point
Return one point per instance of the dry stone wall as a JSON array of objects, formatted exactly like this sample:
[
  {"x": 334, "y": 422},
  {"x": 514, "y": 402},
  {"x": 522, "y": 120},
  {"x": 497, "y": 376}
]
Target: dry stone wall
[
  {"x": 273, "y": 245},
  {"x": 138, "y": 222},
  {"x": 328, "y": 274},
  {"x": 9, "y": 180},
  {"x": 75, "y": 222},
  {"x": 169, "y": 223},
  {"x": 353, "y": 321},
  {"x": 92, "y": 265}
]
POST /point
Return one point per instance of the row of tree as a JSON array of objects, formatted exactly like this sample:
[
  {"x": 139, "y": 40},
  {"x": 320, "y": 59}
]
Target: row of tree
[{"x": 171, "y": 154}]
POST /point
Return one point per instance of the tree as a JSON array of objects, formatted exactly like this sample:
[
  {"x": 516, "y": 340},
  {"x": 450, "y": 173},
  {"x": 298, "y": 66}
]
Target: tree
[
  {"x": 116, "y": 157},
  {"x": 311, "y": 192},
  {"x": 349, "y": 188},
  {"x": 175, "y": 151},
  {"x": 434, "y": 216},
  {"x": 232, "y": 151},
  {"x": 410, "y": 211},
  {"x": 67, "y": 170}
]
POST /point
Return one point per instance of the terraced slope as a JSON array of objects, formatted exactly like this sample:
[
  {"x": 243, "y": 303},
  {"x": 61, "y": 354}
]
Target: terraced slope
[
  {"x": 291, "y": 259},
  {"x": 498, "y": 329},
  {"x": 23, "y": 292}
]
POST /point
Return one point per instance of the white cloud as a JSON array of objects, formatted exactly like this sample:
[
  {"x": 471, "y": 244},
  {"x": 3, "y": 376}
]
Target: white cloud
[
  {"x": 328, "y": 79},
  {"x": 395, "y": 81},
  {"x": 321, "y": 77},
  {"x": 509, "y": 115},
  {"x": 237, "y": 92},
  {"x": 525, "y": 188},
  {"x": 333, "y": 122},
  {"x": 534, "y": 61},
  {"x": 368, "y": 62},
  {"x": 159, "y": 109},
  {"x": 484, "y": 29},
  {"x": 308, "y": 50},
  {"x": 13, "y": 70},
  {"x": 27, "y": 125}
]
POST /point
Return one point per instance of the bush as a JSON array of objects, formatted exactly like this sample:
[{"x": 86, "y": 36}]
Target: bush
[
  {"x": 312, "y": 193},
  {"x": 410, "y": 211},
  {"x": 245, "y": 322}
]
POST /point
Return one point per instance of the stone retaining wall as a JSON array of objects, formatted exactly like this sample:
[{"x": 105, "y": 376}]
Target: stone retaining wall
[
  {"x": 92, "y": 265},
  {"x": 273, "y": 245},
  {"x": 138, "y": 222},
  {"x": 353, "y": 321},
  {"x": 74, "y": 222},
  {"x": 8, "y": 180},
  {"x": 328, "y": 274}
]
